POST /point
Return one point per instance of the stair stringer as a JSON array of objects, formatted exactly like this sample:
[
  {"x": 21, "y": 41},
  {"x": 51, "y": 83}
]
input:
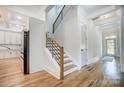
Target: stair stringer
[{"x": 51, "y": 66}]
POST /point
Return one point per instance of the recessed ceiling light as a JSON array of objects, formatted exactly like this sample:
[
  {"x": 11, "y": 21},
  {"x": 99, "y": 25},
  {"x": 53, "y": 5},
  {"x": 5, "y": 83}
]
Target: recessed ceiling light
[
  {"x": 19, "y": 17},
  {"x": 17, "y": 25},
  {"x": 104, "y": 16},
  {"x": 10, "y": 24}
]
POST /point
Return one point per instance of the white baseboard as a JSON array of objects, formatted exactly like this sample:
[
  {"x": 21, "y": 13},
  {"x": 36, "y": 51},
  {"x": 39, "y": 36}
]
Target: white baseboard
[
  {"x": 38, "y": 70},
  {"x": 49, "y": 70},
  {"x": 93, "y": 60}
]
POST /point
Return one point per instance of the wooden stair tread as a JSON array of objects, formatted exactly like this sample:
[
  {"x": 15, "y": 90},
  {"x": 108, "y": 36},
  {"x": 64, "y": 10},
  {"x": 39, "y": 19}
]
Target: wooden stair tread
[
  {"x": 66, "y": 56},
  {"x": 67, "y": 61},
  {"x": 69, "y": 67}
]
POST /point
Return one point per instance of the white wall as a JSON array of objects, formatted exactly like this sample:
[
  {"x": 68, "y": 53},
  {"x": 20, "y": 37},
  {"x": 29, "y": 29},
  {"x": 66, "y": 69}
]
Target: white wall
[
  {"x": 68, "y": 35},
  {"x": 40, "y": 58},
  {"x": 51, "y": 65},
  {"x": 100, "y": 44},
  {"x": 92, "y": 42},
  {"x": 37, "y": 45},
  {"x": 82, "y": 25}
]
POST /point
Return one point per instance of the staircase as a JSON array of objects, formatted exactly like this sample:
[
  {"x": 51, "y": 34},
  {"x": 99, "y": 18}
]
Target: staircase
[{"x": 63, "y": 59}]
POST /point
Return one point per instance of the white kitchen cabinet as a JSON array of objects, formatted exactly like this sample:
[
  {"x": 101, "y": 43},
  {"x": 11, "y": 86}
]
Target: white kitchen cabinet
[
  {"x": 7, "y": 38},
  {"x": 14, "y": 35},
  {"x": 1, "y": 37},
  {"x": 11, "y": 40}
]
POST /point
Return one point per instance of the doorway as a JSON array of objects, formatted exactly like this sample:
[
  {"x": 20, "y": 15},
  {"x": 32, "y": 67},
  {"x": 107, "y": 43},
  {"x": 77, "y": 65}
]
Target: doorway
[{"x": 110, "y": 47}]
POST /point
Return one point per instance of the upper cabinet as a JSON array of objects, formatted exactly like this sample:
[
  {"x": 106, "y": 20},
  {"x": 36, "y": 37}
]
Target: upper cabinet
[
  {"x": 7, "y": 37},
  {"x": 1, "y": 37}
]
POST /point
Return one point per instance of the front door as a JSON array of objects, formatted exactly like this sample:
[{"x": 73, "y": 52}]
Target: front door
[{"x": 110, "y": 47}]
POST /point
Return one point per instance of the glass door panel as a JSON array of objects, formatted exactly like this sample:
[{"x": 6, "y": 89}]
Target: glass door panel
[{"x": 110, "y": 46}]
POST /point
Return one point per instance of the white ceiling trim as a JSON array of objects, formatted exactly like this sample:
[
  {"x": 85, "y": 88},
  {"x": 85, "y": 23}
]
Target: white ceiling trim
[
  {"x": 38, "y": 15},
  {"x": 101, "y": 12}
]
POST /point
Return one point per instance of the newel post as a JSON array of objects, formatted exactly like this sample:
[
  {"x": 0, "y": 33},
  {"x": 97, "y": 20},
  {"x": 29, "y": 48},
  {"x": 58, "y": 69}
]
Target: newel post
[{"x": 61, "y": 63}]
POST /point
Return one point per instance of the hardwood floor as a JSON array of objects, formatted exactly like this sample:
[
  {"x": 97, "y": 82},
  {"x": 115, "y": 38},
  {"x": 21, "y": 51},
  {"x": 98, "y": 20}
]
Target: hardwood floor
[{"x": 100, "y": 74}]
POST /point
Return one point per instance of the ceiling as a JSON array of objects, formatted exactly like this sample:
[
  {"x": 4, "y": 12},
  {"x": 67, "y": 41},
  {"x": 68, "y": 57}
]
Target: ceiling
[
  {"x": 109, "y": 20},
  {"x": 36, "y": 11},
  {"x": 16, "y": 16},
  {"x": 31, "y": 8},
  {"x": 12, "y": 20},
  {"x": 93, "y": 8}
]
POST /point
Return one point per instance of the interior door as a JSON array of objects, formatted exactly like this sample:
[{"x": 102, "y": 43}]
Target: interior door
[
  {"x": 111, "y": 47},
  {"x": 83, "y": 45}
]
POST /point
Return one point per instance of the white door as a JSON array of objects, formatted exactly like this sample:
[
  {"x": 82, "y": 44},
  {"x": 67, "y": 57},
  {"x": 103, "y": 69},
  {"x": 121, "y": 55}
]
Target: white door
[{"x": 83, "y": 45}]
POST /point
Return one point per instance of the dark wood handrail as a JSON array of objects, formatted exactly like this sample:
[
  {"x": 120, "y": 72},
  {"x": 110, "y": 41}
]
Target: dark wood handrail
[
  {"x": 58, "y": 17},
  {"x": 59, "y": 14}
]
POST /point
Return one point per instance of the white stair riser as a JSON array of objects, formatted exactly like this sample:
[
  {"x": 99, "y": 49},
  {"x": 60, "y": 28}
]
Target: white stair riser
[
  {"x": 70, "y": 71},
  {"x": 67, "y": 59},
  {"x": 67, "y": 64}
]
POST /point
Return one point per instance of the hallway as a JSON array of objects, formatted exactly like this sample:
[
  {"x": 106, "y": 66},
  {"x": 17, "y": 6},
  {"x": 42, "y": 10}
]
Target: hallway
[
  {"x": 111, "y": 68},
  {"x": 99, "y": 74}
]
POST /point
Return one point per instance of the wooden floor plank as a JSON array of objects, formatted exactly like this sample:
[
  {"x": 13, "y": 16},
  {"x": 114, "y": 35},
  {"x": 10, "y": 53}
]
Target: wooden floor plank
[{"x": 93, "y": 75}]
